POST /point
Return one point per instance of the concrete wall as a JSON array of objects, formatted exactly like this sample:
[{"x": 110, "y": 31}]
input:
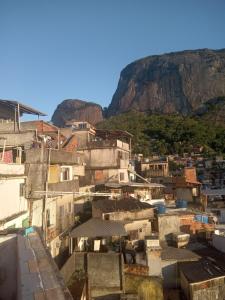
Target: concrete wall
[
  {"x": 170, "y": 274},
  {"x": 143, "y": 228},
  {"x": 184, "y": 194},
  {"x": 154, "y": 262},
  {"x": 104, "y": 273},
  {"x": 61, "y": 215},
  {"x": 98, "y": 158},
  {"x": 76, "y": 262},
  {"x": 19, "y": 139},
  {"x": 11, "y": 201},
  {"x": 131, "y": 215},
  {"x": 12, "y": 169},
  {"x": 167, "y": 225},
  {"x": 36, "y": 178},
  {"x": 56, "y": 157},
  {"x": 8, "y": 267},
  {"x": 218, "y": 242},
  {"x": 106, "y": 158},
  {"x": 37, "y": 212},
  {"x": 64, "y": 186},
  {"x": 99, "y": 176}
]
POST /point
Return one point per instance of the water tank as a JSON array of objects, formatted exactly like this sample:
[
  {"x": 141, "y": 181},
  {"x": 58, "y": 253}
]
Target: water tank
[
  {"x": 198, "y": 218},
  {"x": 161, "y": 209},
  {"x": 181, "y": 203},
  {"x": 205, "y": 219}
]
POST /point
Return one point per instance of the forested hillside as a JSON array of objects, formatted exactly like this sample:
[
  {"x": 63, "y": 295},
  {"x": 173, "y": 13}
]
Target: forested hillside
[{"x": 169, "y": 134}]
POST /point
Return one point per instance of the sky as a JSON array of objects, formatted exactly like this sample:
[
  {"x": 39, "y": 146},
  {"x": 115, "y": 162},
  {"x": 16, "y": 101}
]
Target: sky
[{"x": 51, "y": 50}]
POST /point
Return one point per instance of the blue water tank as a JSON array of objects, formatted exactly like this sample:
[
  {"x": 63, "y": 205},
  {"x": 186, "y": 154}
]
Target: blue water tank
[
  {"x": 198, "y": 218},
  {"x": 205, "y": 219},
  {"x": 180, "y": 203},
  {"x": 161, "y": 208}
]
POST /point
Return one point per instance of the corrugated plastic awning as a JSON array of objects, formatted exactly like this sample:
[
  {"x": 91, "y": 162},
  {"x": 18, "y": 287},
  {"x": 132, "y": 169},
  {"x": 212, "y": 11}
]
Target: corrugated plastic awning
[{"x": 99, "y": 228}]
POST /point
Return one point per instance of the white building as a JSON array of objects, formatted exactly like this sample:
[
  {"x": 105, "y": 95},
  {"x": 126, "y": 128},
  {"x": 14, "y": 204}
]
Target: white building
[{"x": 13, "y": 204}]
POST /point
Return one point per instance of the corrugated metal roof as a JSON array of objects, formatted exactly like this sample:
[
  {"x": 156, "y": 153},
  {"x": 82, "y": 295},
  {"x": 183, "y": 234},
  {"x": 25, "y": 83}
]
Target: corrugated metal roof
[
  {"x": 134, "y": 185},
  {"x": 23, "y": 108},
  {"x": 98, "y": 227},
  {"x": 126, "y": 204},
  {"x": 171, "y": 253}
]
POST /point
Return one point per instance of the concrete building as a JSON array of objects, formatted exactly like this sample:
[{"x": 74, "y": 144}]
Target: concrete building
[
  {"x": 154, "y": 168},
  {"x": 151, "y": 193},
  {"x": 187, "y": 187},
  {"x": 52, "y": 168},
  {"x": 136, "y": 215},
  {"x": 53, "y": 181},
  {"x": 106, "y": 152},
  {"x": 13, "y": 204}
]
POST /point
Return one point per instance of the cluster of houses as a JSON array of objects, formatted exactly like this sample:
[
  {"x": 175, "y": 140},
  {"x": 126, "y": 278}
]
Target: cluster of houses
[{"x": 118, "y": 226}]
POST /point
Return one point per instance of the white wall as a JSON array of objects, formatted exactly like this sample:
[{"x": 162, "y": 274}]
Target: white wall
[
  {"x": 8, "y": 169},
  {"x": 16, "y": 222},
  {"x": 37, "y": 213},
  {"x": 10, "y": 201}
]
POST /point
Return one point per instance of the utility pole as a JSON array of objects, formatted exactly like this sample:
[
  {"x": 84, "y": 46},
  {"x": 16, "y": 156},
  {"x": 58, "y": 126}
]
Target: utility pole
[{"x": 45, "y": 198}]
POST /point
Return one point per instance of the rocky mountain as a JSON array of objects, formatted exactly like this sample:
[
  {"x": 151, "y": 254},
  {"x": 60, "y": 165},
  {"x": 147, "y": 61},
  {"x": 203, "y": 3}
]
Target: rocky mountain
[
  {"x": 213, "y": 111},
  {"x": 179, "y": 82},
  {"x": 77, "y": 110}
]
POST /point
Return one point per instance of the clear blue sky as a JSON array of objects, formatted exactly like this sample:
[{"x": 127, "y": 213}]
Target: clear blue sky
[{"x": 53, "y": 50}]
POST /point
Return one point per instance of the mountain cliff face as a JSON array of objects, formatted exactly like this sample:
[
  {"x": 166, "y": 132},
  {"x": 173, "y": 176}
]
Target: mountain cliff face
[
  {"x": 77, "y": 110},
  {"x": 178, "y": 82}
]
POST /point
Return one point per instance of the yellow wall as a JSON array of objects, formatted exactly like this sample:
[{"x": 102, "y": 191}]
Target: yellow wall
[{"x": 54, "y": 174}]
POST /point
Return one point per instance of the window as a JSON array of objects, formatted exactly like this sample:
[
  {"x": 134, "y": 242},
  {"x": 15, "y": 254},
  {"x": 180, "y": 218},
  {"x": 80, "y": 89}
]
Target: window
[
  {"x": 82, "y": 125},
  {"x": 22, "y": 189},
  {"x": 48, "y": 223},
  {"x": 121, "y": 176},
  {"x": 66, "y": 173},
  {"x": 69, "y": 207},
  {"x": 61, "y": 211}
]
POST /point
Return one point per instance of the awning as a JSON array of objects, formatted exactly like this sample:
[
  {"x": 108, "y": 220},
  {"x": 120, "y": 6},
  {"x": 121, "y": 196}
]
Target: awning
[
  {"x": 23, "y": 108},
  {"x": 99, "y": 228}
]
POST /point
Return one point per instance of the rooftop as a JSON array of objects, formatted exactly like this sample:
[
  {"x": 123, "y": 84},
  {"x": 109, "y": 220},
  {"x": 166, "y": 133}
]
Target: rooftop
[
  {"x": 211, "y": 265},
  {"x": 126, "y": 204},
  {"x": 31, "y": 271},
  {"x": 112, "y": 134},
  {"x": 99, "y": 228},
  {"x": 134, "y": 184},
  {"x": 171, "y": 253},
  {"x": 23, "y": 108}
]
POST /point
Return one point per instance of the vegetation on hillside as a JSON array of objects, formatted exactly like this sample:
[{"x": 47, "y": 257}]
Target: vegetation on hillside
[{"x": 168, "y": 134}]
